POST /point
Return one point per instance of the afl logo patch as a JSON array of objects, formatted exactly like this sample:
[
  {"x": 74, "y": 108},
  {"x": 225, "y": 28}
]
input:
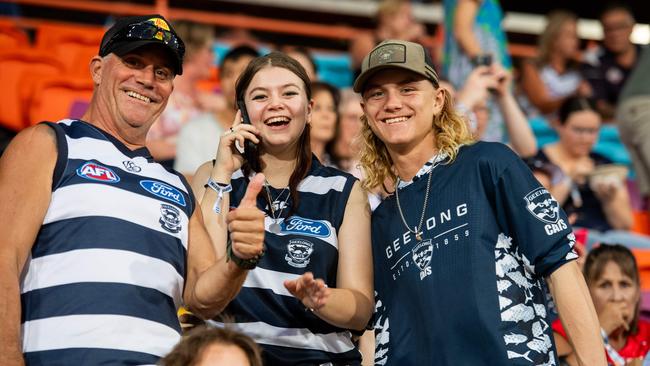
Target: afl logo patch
[
  {"x": 170, "y": 218},
  {"x": 299, "y": 251},
  {"x": 542, "y": 205},
  {"x": 163, "y": 191},
  {"x": 94, "y": 171}
]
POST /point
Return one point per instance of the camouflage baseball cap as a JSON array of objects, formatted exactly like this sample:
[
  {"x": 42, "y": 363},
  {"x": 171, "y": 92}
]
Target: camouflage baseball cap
[{"x": 393, "y": 53}]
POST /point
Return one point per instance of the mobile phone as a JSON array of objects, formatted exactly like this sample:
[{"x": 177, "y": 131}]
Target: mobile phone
[
  {"x": 484, "y": 59},
  {"x": 251, "y": 154}
]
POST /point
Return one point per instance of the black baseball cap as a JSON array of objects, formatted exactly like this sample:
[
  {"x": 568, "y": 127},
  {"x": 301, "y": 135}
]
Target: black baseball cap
[
  {"x": 396, "y": 54},
  {"x": 130, "y": 33}
]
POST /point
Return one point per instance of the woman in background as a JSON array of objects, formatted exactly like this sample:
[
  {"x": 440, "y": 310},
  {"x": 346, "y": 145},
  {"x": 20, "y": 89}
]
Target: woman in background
[
  {"x": 565, "y": 167},
  {"x": 324, "y": 121},
  {"x": 549, "y": 79},
  {"x": 474, "y": 37},
  {"x": 613, "y": 280}
]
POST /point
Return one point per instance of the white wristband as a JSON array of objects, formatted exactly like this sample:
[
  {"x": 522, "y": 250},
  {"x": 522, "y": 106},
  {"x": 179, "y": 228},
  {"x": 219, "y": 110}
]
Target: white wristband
[{"x": 220, "y": 188}]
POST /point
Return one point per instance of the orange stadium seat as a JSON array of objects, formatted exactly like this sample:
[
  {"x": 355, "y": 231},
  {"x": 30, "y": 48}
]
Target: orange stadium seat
[
  {"x": 73, "y": 45},
  {"x": 641, "y": 222},
  {"x": 58, "y": 97},
  {"x": 643, "y": 263},
  {"x": 14, "y": 66},
  {"x": 12, "y": 36}
]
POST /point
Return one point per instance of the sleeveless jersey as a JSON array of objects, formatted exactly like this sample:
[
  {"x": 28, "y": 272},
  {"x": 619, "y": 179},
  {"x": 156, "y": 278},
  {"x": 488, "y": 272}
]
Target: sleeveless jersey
[
  {"x": 106, "y": 272},
  {"x": 471, "y": 290},
  {"x": 288, "y": 332}
]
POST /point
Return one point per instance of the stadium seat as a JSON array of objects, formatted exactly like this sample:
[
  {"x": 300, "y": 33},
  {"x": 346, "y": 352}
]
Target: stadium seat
[
  {"x": 12, "y": 36},
  {"x": 14, "y": 66},
  {"x": 641, "y": 222},
  {"x": 73, "y": 45},
  {"x": 58, "y": 97}
]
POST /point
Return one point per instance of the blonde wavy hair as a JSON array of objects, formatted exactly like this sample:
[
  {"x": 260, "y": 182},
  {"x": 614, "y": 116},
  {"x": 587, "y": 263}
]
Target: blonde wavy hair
[{"x": 450, "y": 131}]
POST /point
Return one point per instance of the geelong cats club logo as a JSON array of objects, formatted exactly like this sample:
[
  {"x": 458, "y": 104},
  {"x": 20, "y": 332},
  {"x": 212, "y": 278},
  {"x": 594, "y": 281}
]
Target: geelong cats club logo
[
  {"x": 543, "y": 206},
  {"x": 299, "y": 251},
  {"x": 170, "y": 219},
  {"x": 422, "y": 257}
]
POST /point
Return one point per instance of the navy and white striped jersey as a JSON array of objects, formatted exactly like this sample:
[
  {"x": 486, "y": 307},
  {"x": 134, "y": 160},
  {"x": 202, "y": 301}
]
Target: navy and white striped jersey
[
  {"x": 264, "y": 309},
  {"x": 471, "y": 291},
  {"x": 106, "y": 272}
]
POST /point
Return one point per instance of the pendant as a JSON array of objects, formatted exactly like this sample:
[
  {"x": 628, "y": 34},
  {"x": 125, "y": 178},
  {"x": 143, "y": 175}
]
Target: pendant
[
  {"x": 418, "y": 236},
  {"x": 275, "y": 228}
]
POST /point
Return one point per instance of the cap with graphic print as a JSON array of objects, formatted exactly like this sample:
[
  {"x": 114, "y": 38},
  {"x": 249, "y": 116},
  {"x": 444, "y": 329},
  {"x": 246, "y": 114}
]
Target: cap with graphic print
[
  {"x": 130, "y": 33},
  {"x": 396, "y": 54}
]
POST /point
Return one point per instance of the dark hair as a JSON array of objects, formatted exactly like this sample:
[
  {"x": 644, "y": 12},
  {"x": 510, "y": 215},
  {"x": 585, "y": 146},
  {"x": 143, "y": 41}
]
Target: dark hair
[
  {"x": 190, "y": 349},
  {"x": 238, "y": 52},
  {"x": 320, "y": 86},
  {"x": 575, "y": 104},
  {"x": 598, "y": 258},
  {"x": 303, "y": 152},
  {"x": 305, "y": 52},
  {"x": 615, "y": 6}
]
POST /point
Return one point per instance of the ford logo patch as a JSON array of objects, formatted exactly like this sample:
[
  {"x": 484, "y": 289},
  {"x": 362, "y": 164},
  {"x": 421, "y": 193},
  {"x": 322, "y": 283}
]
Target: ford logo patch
[
  {"x": 297, "y": 224},
  {"x": 163, "y": 191}
]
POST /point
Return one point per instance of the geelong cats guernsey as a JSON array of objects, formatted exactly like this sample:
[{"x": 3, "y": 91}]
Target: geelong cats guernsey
[
  {"x": 471, "y": 291},
  {"x": 289, "y": 333},
  {"x": 106, "y": 272}
]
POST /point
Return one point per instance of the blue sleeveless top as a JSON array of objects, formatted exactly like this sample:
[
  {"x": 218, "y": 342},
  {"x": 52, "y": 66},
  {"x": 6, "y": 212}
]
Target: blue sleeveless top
[{"x": 288, "y": 333}]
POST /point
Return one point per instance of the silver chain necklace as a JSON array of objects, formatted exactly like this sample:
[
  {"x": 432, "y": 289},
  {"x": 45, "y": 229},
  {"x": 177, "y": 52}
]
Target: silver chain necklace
[
  {"x": 275, "y": 226},
  {"x": 417, "y": 229}
]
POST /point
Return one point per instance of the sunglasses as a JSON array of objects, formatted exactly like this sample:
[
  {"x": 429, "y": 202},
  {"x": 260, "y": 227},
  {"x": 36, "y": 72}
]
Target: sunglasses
[{"x": 148, "y": 31}]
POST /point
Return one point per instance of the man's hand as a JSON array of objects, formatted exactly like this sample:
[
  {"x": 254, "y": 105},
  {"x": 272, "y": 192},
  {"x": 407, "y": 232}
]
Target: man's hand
[{"x": 246, "y": 223}]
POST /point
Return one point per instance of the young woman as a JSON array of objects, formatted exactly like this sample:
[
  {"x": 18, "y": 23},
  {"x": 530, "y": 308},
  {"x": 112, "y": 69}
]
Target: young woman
[
  {"x": 553, "y": 75},
  {"x": 314, "y": 283},
  {"x": 613, "y": 280},
  {"x": 564, "y": 168},
  {"x": 324, "y": 122}
]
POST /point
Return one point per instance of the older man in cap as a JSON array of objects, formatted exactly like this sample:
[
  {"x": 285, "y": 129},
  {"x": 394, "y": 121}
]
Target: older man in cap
[
  {"x": 100, "y": 244},
  {"x": 463, "y": 246}
]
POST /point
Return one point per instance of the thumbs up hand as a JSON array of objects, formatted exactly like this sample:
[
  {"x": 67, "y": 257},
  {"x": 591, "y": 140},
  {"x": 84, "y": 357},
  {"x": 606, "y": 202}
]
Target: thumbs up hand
[{"x": 246, "y": 223}]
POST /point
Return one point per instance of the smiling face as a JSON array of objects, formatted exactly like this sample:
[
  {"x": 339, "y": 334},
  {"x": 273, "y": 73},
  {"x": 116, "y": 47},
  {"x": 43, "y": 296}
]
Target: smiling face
[
  {"x": 400, "y": 106},
  {"x": 132, "y": 90},
  {"x": 277, "y": 105}
]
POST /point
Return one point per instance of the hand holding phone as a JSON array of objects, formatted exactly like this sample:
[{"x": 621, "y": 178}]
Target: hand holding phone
[{"x": 251, "y": 154}]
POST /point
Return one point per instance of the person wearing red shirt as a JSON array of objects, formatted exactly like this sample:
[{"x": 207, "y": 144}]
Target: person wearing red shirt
[{"x": 613, "y": 280}]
